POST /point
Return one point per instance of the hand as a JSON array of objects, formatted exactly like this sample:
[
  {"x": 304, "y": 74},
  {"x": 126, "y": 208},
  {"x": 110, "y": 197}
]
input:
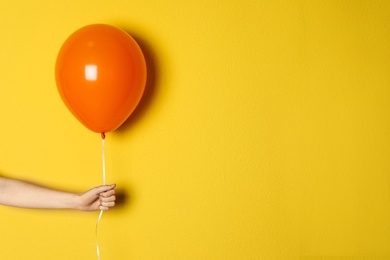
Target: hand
[{"x": 98, "y": 198}]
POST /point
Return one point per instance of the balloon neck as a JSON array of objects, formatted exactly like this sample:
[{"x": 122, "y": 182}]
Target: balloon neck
[{"x": 103, "y": 135}]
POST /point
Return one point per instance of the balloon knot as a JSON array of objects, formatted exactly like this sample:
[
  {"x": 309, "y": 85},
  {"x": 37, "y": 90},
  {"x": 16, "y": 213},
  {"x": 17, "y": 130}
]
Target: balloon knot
[{"x": 103, "y": 135}]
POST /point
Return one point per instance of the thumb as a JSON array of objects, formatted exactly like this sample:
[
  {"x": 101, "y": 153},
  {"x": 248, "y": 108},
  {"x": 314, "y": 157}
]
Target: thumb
[{"x": 104, "y": 188}]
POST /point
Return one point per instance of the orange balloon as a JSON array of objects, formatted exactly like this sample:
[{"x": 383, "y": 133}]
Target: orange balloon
[{"x": 101, "y": 75}]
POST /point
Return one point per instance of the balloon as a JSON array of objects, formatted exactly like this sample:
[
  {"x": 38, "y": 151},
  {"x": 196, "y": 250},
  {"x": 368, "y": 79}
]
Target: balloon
[{"x": 101, "y": 75}]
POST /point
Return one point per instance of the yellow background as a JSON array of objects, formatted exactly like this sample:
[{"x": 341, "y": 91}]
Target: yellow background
[{"x": 263, "y": 133}]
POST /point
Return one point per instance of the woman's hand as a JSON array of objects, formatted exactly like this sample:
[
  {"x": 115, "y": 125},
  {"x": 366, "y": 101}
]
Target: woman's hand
[{"x": 98, "y": 198}]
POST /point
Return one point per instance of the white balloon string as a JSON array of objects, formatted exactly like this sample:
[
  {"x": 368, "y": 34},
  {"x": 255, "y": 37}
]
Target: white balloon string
[
  {"x": 103, "y": 163},
  {"x": 101, "y": 211},
  {"x": 97, "y": 242}
]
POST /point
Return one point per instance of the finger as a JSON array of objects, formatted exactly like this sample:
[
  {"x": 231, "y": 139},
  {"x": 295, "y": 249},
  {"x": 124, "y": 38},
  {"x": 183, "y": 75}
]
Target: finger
[
  {"x": 104, "y": 188},
  {"x": 111, "y": 198},
  {"x": 107, "y": 204},
  {"x": 103, "y": 208},
  {"x": 107, "y": 193}
]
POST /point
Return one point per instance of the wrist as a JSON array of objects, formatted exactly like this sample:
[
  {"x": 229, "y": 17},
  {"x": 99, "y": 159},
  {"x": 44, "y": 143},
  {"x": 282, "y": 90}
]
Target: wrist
[{"x": 75, "y": 202}]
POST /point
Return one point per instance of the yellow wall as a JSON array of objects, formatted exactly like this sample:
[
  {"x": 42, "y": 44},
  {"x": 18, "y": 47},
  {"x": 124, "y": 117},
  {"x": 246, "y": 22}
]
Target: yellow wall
[{"x": 264, "y": 132}]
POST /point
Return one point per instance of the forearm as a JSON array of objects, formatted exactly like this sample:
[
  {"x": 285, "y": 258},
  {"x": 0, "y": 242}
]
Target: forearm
[{"x": 21, "y": 194}]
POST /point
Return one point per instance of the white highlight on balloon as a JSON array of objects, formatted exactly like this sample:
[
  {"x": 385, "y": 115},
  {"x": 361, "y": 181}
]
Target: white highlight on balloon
[{"x": 90, "y": 72}]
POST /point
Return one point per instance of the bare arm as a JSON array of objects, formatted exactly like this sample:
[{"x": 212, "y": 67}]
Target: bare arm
[{"x": 26, "y": 195}]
